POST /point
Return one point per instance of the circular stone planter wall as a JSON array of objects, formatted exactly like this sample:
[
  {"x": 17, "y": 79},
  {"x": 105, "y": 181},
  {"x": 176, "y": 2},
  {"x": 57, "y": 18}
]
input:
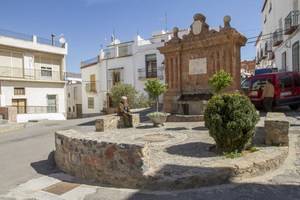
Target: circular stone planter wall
[{"x": 159, "y": 159}]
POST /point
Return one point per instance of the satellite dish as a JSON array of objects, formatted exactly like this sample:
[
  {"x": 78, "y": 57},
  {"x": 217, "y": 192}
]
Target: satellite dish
[{"x": 62, "y": 39}]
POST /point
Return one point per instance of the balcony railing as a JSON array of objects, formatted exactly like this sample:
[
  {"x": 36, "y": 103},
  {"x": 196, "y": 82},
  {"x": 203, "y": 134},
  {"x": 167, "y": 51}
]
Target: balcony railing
[
  {"x": 36, "y": 109},
  {"x": 89, "y": 62},
  {"x": 159, "y": 73},
  {"x": 291, "y": 22},
  {"x": 31, "y": 74},
  {"x": 117, "y": 51},
  {"x": 91, "y": 87},
  {"x": 277, "y": 37}
]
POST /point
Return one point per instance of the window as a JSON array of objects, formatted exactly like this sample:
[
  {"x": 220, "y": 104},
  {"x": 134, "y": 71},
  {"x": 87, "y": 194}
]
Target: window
[
  {"x": 283, "y": 61},
  {"x": 69, "y": 109},
  {"x": 51, "y": 101},
  {"x": 286, "y": 82},
  {"x": 296, "y": 61},
  {"x": 19, "y": 91},
  {"x": 116, "y": 77},
  {"x": 258, "y": 84},
  {"x": 90, "y": 102},
  {"x": 73, "y": 108},
  {"x": 151, "y": 66},
  {"x": 270, "y": 7},
  {"x": 93, "y": 83},
  {"x": 265, "y": 20},
  {"x": 69, "y": 95},
  {"x": 46, "y": 71},
  {"x": 297, "y": 80}
]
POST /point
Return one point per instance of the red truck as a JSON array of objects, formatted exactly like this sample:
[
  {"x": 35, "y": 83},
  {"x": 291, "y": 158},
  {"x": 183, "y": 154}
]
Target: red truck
[{"x": 286, "y": 84}]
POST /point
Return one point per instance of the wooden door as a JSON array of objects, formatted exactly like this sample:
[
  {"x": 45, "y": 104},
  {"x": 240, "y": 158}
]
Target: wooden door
[{"x": 20, "y": 104}]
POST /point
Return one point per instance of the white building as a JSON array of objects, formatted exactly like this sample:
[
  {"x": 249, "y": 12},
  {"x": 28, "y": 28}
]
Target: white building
[
  {"x": 73, "y": 95},
  {"x": 131, "y": 62},
  {"x": 32, "y": 76},
  {"x": 278, "y": 43}
]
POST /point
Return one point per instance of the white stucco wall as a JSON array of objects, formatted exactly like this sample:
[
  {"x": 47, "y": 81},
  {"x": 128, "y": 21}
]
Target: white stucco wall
[
  {"x": 280, "y": 10},
  {"x": 35, "y": 95},
  {"x": 99, "y": 97}
]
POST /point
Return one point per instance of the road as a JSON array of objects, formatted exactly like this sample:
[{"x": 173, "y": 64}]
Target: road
[{"x": 24, "y": 153}]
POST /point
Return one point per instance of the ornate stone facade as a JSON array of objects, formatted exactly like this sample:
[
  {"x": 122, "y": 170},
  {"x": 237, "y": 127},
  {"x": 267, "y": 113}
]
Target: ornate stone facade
[{"x": 192, "y": 60}]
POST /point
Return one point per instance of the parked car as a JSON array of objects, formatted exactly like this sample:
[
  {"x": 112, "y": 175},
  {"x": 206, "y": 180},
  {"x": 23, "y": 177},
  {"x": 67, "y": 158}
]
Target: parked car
[{"x": 286, "y": 84}]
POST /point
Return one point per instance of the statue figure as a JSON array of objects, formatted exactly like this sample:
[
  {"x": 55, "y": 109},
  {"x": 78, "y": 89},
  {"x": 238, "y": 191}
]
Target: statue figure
[{"x": 124, "y": 112}]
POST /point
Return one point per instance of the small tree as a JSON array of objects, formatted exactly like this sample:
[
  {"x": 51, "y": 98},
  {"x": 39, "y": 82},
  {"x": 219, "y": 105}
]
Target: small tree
[
  {"x": 120, "y": 90},
  {"x": 220, "y": 81},
  {"x": 155, "y": 88}
]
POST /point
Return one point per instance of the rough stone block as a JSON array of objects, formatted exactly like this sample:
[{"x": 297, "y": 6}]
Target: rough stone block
[
  {"x": 135, "y": 120},
  {"x": 277, "y": 129},
  {"x": 99, "y": 125}
]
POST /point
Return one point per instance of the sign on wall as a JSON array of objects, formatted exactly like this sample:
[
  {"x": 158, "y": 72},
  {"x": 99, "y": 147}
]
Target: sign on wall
[{"x": 198, "y": 66}]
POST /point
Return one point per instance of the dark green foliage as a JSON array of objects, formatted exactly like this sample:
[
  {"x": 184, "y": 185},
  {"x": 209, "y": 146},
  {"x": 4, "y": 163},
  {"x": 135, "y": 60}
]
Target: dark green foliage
[
  {"x": 120, "y": 90},
  {"x": 231, "y": 120}
]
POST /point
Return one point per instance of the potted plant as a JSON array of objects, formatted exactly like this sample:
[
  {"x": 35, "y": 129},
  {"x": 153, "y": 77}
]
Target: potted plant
[{"x": 155, "y": 88}]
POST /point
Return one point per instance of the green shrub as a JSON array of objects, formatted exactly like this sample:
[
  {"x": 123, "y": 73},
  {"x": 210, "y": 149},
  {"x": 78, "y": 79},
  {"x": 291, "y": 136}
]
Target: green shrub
[
  {"x": 220, "y": 81},
  {"x": 231, "y": 120},
  {"x": 120, "y": 90},
  {"x": 155, "y": 88},
  {"x": 141, "y": 101}
]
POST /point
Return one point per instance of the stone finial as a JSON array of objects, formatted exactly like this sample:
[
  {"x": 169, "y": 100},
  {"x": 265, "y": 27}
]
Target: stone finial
[
  {"x": 227, "y": 20},
  {"x": 199, "y": 17},
  {"x": 175, "y": 32}
]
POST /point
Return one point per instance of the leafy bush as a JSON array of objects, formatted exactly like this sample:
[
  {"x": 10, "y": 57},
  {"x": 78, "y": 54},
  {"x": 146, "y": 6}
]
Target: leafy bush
[
  {"x": 141, "y": 101},
  {"x": 155, "y": 88},
  {"x": 220, "y": 81},
  {"x": 231, "y": 120},
  {"x": 120, "y": 90}
]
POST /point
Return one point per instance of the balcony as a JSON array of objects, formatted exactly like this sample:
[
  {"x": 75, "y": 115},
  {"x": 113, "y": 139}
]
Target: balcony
[
  {"x": 36, "y": 109},
  {"x": 277, "y": 37},
  {"x": 291, "y": 22},
  {"x": 44, "y": 74},
  {"x": 159, "y": 73},
  {"x": 91, "y": 87}
]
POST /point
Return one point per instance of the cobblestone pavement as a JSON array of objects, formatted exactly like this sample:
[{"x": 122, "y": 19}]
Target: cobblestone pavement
[{"x": 283, "y": 184}]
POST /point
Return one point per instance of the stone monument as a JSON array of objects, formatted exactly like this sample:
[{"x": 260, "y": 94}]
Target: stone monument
[{"x": 190, "y": 62}]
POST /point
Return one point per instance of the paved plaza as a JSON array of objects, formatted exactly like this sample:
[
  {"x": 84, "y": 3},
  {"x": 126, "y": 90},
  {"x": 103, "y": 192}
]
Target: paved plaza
[{"x": 37, "y": 177}]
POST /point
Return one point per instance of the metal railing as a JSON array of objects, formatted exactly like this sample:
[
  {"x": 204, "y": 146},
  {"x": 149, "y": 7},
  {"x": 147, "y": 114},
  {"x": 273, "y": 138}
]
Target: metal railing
[
  {"x": 277, "y": 37},
  {"x": 30, "y": 74},
  {"x": 91, "y": 61},
  {"x": 36, "y": 109},
  {"x": 159, "y": 73},
  {"x": 15, "y": 35},
  {"x": 27, "y": 37},
  {"x": 291, "y": 21},
  {"x": 124, "y": 50},
  {"x": 49, "y": 42}
]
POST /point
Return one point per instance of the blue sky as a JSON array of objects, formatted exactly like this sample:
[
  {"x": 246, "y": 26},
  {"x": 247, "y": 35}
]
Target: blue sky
[{"x": 87, "y": 23}]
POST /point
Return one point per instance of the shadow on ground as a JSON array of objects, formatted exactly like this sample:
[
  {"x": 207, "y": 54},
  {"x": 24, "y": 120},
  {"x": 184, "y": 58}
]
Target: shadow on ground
[{"x": 196, "y": 149}]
